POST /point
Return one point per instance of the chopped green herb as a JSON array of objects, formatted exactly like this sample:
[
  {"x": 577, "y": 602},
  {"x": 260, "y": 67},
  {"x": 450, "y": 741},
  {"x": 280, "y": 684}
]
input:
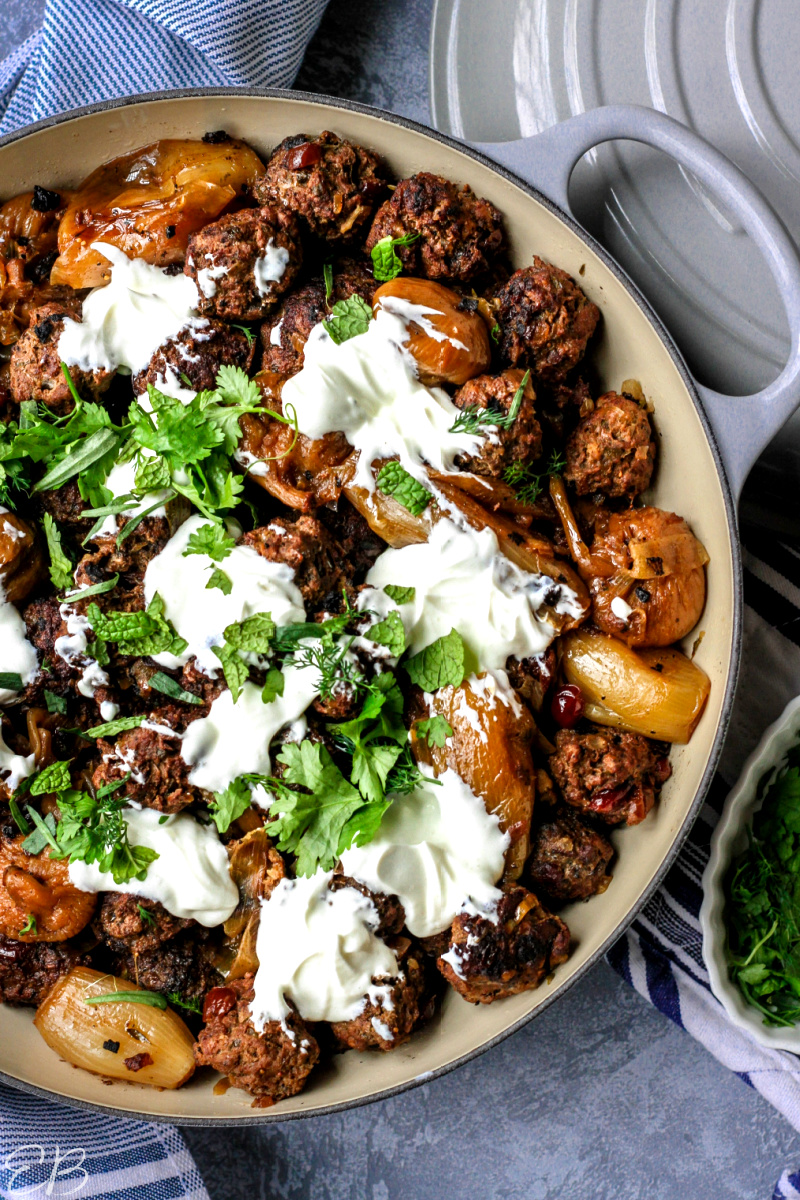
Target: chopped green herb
[
  {"x": 55, "y": 703},
  {"x": 349, "y": 318},
  {"x": 439, "y": 665},
  {"x": 192, "y": 1005},
  {"x": 529, "y": 484},
  {"x": 311, "y": 823},
  {"x": 211, "y": 540},
  {"x": 389, "y": 633},
  {"x": 473, "y": 419},
  {"x": 394, "y": 480},
  {"x": 218, "y": 579},
  {"x": 234, "y": 669},
  {"x": 94, "y": 829},
  {"x": 61, "y": 569},
  {"x": 16, "y": 813},
  {"x": 273, "y": 685},
  {"x": 153, "y": 999},
  {"x": 29, "y": 926},
  {"x": 170, "y": 687},
  {"x": 435, "y": 730},
  {"x": 145, "y": 915},
  {"x": 253, "y": 635},
  {"x": 112, "y": 728},
  {"x": 139, "y": 633},
  {"x": 246, "y": 330},
  {"x": 44, "y": 833},
  {"x": 495, "y": 332},
  {"x": 133, "y": 523},
  {"x": 232, "y": 803},
  {"x": 51, "y": 779},
  {"x": 400, "y": 595},
  {"x": 11, "y": 681},
  {"x": 96, "y": 589},
  {"x": 86, "y": 453},
  {"x": 386, "y": 264},
  {"x": 327, "y": 275}
]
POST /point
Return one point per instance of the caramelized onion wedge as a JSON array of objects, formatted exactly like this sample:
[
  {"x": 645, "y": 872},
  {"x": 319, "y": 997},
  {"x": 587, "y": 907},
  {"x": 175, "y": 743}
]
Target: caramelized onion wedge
[
  {"x": 674, "y": 554},
  {"x": 148, "y": 203},
  {"x": 659, "y": 693},
  {"x": 80, "y": 1032},
  {"x": 491, "y": 750},
  {"x": 448, "y": 344}
]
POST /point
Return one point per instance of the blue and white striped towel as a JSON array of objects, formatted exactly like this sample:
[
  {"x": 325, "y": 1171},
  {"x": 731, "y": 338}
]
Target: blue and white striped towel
[{"x": 74, "y": 59}]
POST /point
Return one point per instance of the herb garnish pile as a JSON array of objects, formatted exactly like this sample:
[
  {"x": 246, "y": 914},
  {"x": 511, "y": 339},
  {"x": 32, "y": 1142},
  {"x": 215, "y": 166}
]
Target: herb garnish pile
[{"x": 762, "y": 901}]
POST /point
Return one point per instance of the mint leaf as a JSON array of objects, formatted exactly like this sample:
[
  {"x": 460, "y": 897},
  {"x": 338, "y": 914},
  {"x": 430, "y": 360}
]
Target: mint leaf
[
  {"x": 389, "y": 633},
  {"x": 310, "y": 824},
  {"x": 213, "y": 540},
  {"x": 55, "y": 703},
  {"x": 54, "y": 778},
  {"x": 253, "y": 635},
  {"x": 273, "y": 685},
  {"x": 231, "y": 804},
  {"x": 386, "y": 264},
  {"x": 394, "y": 480},
  {"x": 435, "y": 730},
  {"x": 234, "y": 669},
  {"x": 11, "y": 681},
  {"x": 218, "y": 579},
  {"x": 349, "y": 318},
  {"x": 400, "y": 595},
  {"x": 139, "y": 633},
  {"x": 439, "y": 665},
  {"x": 61, "y": 569},
  {"x": 152, "y": 475}
]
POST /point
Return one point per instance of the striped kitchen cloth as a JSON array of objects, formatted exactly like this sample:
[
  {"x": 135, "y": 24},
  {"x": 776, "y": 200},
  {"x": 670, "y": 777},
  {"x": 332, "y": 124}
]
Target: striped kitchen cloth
[
  {"x": 91, "y": 50},
  {"x": 86, "y": 51},
  {"x": 661, "y": 953}
]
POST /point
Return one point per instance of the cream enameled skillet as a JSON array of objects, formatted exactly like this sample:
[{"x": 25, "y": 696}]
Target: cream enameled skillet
[{"x": 707, "y": 443}]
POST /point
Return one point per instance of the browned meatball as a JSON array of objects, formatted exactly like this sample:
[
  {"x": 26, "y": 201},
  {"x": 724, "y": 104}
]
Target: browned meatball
[
  {"x": 390, "y": 1017},
  {"x": 460, "y": 235},
  {"x": 545, "y": 320},
  {"x": 44, "y": 626},
  {"x": 306, "y": 546},
  {"x": 533, "y": 676},
  {"x": 128, "y": 559},
  {"x": 569, "y": 861},
  {"x": 391, "y": 914},
  {"x": 360, "y": 546},
  {"x": 520, "y": 443},
  {"x": 195, "y": 356},
  {"x": 272, "y": 1064},
  {"x": 66, "y": 505},
  {"x": 244, "y": 262},
  {"x": 157, "y": 775},
  {"x": 286, "y": 334},
  {"x": 611, "y": 450},
  {"x": 611, "y": 775},
  {"x": 28, "y": 970},
  {"x": 183, "y": 967},
  {"x": 36, "y": 363},
  {"x": 134, "y": 925},
  {"x": 488, "y": 960},
  {"x": 332, "y": 184}
]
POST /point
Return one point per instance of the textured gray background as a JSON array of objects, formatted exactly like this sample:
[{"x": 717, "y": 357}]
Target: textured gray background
[{"x": 601, "y": 1098}]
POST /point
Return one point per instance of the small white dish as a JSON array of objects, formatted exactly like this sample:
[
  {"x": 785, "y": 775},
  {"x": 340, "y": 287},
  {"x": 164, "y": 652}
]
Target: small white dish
[{"x": 728, "y": 840}]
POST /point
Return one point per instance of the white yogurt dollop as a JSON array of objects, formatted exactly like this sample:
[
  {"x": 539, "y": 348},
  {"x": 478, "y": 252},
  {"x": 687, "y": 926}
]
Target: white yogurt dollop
[
  {"x": 438, "y": 850},
  {"x": 464, "y": 581},
  {"x": 17, "y": 655},
  {"x": 201, "y": 614},
  {"x": 190, "y": 877},
  {"x": 128, "y": 319},
  {"x": 317, "y": 948},
  {"x": 14, "y": 767}
]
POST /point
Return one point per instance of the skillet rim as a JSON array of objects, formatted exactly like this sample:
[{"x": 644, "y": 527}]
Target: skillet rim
[{"x": 734, "y": 662}]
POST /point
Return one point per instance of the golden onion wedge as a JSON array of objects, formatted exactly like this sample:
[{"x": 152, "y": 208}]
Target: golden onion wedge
[{"x": 659, "y": 692}]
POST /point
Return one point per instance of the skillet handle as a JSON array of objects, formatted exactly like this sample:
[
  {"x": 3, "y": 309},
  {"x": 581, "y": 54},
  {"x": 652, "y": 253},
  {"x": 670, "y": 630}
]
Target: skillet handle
[{"x": 742, "y": 425}]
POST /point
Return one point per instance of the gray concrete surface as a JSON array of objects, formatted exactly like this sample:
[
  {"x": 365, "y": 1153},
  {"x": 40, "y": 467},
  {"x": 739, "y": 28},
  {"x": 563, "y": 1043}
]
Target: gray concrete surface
[{"x": 601, "y": 1098}]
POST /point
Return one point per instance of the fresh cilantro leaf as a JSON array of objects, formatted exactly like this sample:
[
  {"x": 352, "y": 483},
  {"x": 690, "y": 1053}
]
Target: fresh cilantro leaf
[
  {"x": 231, "y": 804},
  {"x": 112, "y": 728},
  {"x": 44, "y": 833},
  {"x": 94, "y": 829},
  {"x": 375, "y": 738},
  {"x": 11, "y": 681},
  {"x": 439, "y": 665},
  {"x": 234, "y": 669},
  {"x": 234, "y": 387},
  {"x": 435, "y": 730},
  {"x": 29, "y": 926},
  {"x": 386, "y": 264},
  {"x": 170, "y": 687},
  {"x": 389, "y": 633},
  {"x": 54, "y": 778},
  {"x": 55, "y": 703},
  {"x": 394, "y": 480},
  {"x": 400, "y": 595},
  {"x": 273, "y": 685},
  {"x": 253, "y": 635},
  {"x": 310, "y": 823},
  {"x": 152, "y": 475},
  {"x": 211, "y": 540},
  {"x": 349, "y": 318},
  {"x": 61, "y": 569},
  {"x": 218, "y": 579}
]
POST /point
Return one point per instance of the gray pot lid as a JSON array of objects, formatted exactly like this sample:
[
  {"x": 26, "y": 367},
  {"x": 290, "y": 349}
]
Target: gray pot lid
[{"x": 503, "y": 69}]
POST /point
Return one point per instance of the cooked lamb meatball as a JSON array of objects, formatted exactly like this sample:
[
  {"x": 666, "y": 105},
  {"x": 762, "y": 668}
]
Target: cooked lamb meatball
[
  {"x": 393, "y": 1010},
  {"x": 306, "y": 546},
  {"x": 488, "y": 960},
  {"x": 129, "y": 560},
  {"x": 332, "y": 184},
  {"x": 36, "y": 363},
  {"x": 611, "y": 775},
  {"x": 391, "y": 914},
  {"x": 272, "y": 1064},
  {"x": 285, "y": 336},
  {"x": 545, "y": 320},
  {"x": 459, "y": 234},
  {"x": 360, "y": 546},
  {"x": 611, "y": 450},
  {"x": 28, "y": 970},
  {"x": 196, "y": 355},
  {"x": 65, "y": 505},
  {"x": 157, "y": 775},
  {"x": 134, "y": 925},
  {"x": 244, "y": 262},
  {"x": 520, "y": 443},
  {"x": 45, "y": 625},
  {"x": 182, "y": 967},
  {"x": 569, "y": 860}
]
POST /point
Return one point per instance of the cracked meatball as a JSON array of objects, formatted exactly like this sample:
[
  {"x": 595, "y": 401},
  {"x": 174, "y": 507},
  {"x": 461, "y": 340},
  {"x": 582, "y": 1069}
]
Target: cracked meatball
[
  {"x": 285, "y": 336},
  {"x": 135, "y": 925},
  {"x": 182, "y": 967},
  {"x": 501, "y": 448},
  {"x": 244, "y": 262},
  {"x": 197, "y": 353},
  {"x": 129, "y": 560},
  {"x": 35, "y": 369},
  {"x": 271, "y": 1064},
  {"x": 65, "y": 505},
  {"x": 392, "y": 1010},
  {"x": 612, "y": 450},
  {"x": 488, "y": 960},
  {"x": 28, "y": 970},
  {"x": 158, "y": 776},
  {"x": 569, "y": 860},
  {"x": 64, "y": 675},
  {"x": 459, "y": 235},
  {"x": 332, "y": 184},
  {"x": 545, "y": 320},
  {"x": 313, "y": 554},
  {"x": 607, "y": 774}
]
